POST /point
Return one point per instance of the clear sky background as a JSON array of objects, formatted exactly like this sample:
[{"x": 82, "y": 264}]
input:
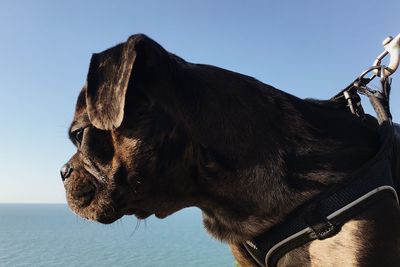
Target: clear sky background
[{"x": 307, "y": 48}]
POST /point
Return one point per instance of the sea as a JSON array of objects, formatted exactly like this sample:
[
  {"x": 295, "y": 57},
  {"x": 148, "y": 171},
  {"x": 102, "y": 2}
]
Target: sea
[{"x": 51, "y": 235}]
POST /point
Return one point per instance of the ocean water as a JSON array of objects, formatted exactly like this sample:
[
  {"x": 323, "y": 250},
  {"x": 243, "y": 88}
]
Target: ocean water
[{"x": 51, "y": 235}]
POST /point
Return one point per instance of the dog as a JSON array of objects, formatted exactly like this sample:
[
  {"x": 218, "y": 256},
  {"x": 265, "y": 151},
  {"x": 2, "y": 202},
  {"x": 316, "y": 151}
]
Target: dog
[{"x": 156, "y": 134}]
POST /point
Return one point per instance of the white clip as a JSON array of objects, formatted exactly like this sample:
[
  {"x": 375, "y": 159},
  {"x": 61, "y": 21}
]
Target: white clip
[{"x": 392, "y": 47}]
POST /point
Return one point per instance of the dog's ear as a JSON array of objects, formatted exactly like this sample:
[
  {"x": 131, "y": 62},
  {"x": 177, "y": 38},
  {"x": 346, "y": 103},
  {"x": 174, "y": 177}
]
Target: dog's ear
[{"x": 113, "y": 71}]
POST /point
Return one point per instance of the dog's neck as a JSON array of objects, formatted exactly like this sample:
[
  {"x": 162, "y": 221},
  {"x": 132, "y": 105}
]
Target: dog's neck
[
  {"x": 268, "y": 157},
  {"x": 263, "y": 152}
]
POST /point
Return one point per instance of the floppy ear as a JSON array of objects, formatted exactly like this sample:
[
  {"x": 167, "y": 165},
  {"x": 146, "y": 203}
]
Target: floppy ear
[{"x": 111, "y": 74}]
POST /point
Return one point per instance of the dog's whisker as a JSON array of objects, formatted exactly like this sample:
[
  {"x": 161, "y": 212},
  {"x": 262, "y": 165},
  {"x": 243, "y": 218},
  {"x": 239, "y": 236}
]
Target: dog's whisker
[{"x": 137, "y": 226}]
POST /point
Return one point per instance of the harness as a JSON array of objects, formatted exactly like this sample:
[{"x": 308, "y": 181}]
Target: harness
[{"x": 324, "y": 215}]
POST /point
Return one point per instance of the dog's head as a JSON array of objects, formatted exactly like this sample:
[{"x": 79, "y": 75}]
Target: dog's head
[
  {"x": 128, "y": 166},
  {"x": 155, "y": 134}
]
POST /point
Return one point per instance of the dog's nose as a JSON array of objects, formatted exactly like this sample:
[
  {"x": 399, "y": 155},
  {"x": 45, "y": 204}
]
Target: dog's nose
[{"x": 65, "y": 171}]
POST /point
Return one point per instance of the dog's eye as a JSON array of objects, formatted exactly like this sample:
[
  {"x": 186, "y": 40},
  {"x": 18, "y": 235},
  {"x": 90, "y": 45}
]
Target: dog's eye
[{"x": 78, "y": 136}]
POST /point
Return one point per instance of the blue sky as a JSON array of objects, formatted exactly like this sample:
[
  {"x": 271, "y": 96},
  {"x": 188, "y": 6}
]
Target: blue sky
[{"x": 307, "y": 48}]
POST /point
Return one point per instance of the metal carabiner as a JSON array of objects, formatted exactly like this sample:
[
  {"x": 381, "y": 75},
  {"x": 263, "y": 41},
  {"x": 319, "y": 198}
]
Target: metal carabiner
[{"x": 392, "y": 47}]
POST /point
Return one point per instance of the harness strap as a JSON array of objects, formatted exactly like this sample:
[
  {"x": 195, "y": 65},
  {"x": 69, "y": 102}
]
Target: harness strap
[{"x": 323, "y": 216}]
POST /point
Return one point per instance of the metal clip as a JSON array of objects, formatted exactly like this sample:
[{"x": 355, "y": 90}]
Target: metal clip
[
  {"x": 354, "y": 104},
  {"x": 392, "y": 47},
  {"x": 349, "y": 101}
]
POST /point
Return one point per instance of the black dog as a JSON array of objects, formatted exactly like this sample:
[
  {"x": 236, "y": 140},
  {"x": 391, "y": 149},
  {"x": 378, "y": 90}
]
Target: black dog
[{"x": 156, "y": 134}]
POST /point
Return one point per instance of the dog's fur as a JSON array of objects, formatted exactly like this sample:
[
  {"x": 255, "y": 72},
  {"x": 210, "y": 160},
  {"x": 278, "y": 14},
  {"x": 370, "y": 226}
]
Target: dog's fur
[{"x": 156, "y": 134}]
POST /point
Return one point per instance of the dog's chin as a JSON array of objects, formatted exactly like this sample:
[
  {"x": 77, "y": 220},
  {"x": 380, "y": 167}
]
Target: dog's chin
[
  {"x": 95, "y": 213},
  {"x": 143, "y": 214},
  {"x": 105, "y": 216},
  {"x": 99, "y": 209},
  {"x": 139, "y": 214},
  {"x": 108, "y": 219}
]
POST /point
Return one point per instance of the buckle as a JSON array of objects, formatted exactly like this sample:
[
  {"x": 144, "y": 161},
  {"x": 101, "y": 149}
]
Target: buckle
[
  {"x": 321, "y": 227},
  {"x": 323, "y": 230}
]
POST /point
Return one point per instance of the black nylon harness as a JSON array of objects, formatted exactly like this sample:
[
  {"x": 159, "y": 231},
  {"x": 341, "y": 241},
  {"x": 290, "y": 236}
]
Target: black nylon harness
[{"x": 324, "y": 215}]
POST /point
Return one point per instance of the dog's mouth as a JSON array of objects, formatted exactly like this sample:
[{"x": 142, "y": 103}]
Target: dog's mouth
[
  {"x": 89, "y": 198},
  {"x": 99, "y": 202},
  {"x": 106, "y": 202}
]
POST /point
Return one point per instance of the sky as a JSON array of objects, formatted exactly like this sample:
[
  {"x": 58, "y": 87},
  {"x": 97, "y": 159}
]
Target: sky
[{"x": 307, "y": 48}]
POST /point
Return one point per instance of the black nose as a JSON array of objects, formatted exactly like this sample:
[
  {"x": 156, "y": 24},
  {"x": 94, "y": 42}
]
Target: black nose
[{"x": 65, "y": 171}]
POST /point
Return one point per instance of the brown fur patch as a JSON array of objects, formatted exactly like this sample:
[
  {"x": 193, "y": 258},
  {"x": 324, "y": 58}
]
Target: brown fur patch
[{"x": 339, "y": 250}]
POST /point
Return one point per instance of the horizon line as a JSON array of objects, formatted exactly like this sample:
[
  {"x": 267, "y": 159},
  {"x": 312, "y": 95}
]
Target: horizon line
[{"x": 33, "y": 203}]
